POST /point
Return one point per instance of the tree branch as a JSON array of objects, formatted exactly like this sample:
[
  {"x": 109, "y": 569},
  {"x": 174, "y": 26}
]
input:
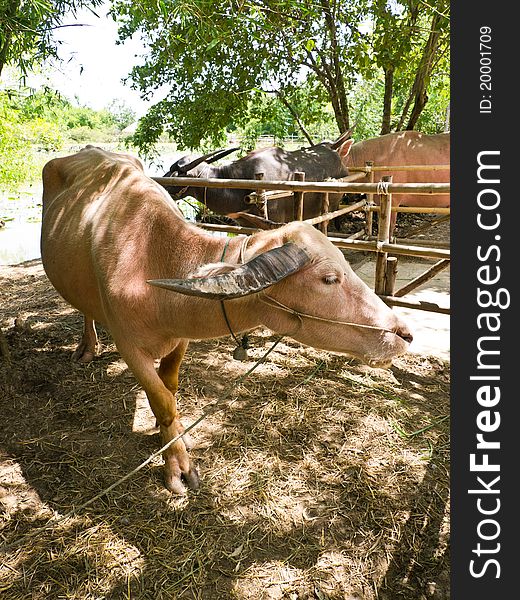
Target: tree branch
[{"x": 296, "y": 117}]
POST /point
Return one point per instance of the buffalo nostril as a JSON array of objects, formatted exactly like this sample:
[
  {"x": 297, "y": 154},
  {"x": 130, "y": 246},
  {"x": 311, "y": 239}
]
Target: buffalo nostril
[{"x": 405, "y": 335}]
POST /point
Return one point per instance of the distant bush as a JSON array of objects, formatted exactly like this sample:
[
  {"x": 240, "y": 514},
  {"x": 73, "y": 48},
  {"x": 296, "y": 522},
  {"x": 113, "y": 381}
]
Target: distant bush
[
  {"x": 15, "y": 157},
  {"x": 85, "y": 134},
  {"x": 45, "y": 122},
  {"x": 43, "y": 135}
]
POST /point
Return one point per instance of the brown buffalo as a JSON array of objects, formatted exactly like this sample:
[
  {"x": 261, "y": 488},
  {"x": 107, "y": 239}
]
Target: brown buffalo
[
  {"x": 407, "y": 148},
  {"x": 116, "y": 247}
]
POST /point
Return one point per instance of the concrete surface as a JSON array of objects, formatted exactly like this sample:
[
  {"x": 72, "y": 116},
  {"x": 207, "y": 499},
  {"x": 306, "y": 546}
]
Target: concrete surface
[{"x": 431, "y": 330}]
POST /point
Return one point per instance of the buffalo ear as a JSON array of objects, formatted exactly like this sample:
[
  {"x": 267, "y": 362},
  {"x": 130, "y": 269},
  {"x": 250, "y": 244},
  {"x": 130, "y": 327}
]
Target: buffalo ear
[
  {"x": 344, "y": 149},
  {"x": 260, "y": 272}
]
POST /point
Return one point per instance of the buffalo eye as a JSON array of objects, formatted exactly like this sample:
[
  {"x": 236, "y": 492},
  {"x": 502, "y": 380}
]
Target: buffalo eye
[{"x": 330, "y": 279}]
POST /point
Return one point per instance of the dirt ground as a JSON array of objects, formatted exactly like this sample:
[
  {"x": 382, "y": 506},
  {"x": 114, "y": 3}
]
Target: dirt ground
[{"x": 323, "y": 479}]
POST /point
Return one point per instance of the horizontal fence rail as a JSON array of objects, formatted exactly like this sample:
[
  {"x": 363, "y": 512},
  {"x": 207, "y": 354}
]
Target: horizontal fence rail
[
  {"x": 414, "y": 209},
  {"x": 307, "y": 186},
  {"x": 383, "y": 246},
  {"x": 375, "y": 169},
  {"x": 352, "y": 244},
  {"x": 416, "y": 304}
]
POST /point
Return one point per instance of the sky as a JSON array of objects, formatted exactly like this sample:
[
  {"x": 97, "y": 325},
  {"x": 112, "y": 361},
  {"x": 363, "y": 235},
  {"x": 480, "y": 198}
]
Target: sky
[{"x": 93, "y": 65}]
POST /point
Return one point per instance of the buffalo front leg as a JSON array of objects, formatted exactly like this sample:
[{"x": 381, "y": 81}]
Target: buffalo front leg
[
  {"x": 87, "y": 347},
  {"x": 169, "y": 373},
  {"x": 177, "y": 463}
]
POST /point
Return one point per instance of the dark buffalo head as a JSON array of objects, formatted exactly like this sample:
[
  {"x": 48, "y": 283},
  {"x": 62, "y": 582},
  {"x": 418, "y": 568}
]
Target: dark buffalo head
[{"x": 319, "y": 162}]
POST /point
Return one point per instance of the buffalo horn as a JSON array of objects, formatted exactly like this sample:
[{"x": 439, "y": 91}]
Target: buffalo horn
[
  {"x": 262, "y": 271},
  {"x": 343, "y": 138},
  {"x": 221, "y": 153},
  {"x": 209, "y": 158}
]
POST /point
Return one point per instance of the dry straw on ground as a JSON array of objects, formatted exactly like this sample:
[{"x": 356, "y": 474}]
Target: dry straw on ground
[{"x": 323, "y": 480}]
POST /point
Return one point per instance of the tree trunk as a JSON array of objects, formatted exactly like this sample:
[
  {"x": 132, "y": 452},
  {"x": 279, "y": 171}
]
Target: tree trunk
[
  {"x": 342, "y": 119},
  {"x": 447, "y": 120},
  {"x": 327, "y": 80},
  {"x": 421, "y": 98},
  {"x": 387, "y": 101},
  {"x": 337, "y": 81},
  {"x": 424, "y": 71}
]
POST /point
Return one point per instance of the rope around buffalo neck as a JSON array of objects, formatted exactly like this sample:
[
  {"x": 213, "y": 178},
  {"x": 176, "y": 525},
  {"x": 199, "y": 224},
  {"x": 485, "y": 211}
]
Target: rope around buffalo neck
[
  {"x": 270, "y": 301},
  {"x": 243, "y": 344}
]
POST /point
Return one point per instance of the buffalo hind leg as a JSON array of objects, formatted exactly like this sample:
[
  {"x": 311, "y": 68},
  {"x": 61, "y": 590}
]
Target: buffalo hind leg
[
  {"x": 162, "y": 401},
  {"x": 87, "y": 347}
]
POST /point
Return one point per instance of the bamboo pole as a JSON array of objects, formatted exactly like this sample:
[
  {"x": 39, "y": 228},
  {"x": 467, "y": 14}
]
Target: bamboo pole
[
  {"x": 383, "y": 236},
  {"x": 298, "y": 196},
  {"x": 227, "y": 228},
  {"x": 353, "y": 177},
  {"x": 336, "y": 213},
  {"x": 401, "y": 168},
  {"x": 261, "y": 196},
  {"x": 417, "y": 304},
  {"x": 253, "y": 197},
  {"x": 348, "y": 242},
  {"x": 412, "y": 242},
  {"x": 370, "y": 202},
  {"x": 324, "y": 210},
  {"x": 415, "y": 209},
  {"x": 355, "y": 235},
  {"x": 390, "y": 275},
  {"x": 423, "y": 278},
  {"x": 399, "y": 249},
  {"x": 424, "y": 189}
]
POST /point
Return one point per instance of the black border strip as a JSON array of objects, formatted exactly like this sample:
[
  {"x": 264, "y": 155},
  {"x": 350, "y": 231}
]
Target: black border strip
[{"x": 483, "y": 123}]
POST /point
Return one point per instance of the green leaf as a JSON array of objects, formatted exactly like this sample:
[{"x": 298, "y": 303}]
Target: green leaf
[{"x": 212, "y": 44}]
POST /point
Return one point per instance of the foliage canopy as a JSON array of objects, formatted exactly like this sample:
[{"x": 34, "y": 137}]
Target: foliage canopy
[
  {"x": 218, "y": 58},
  {"x": 27, "y": 27}
]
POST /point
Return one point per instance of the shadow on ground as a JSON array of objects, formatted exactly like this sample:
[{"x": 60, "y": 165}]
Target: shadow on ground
[{"x": 323, "y": 479}]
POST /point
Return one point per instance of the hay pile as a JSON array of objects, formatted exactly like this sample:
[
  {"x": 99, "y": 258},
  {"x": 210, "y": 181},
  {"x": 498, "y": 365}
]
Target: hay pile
[{"x": 323, "y": 479}]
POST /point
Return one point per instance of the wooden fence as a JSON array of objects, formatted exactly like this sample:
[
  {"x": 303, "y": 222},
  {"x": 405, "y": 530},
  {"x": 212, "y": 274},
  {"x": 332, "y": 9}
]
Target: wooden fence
[{"x": 386, "y": 250}]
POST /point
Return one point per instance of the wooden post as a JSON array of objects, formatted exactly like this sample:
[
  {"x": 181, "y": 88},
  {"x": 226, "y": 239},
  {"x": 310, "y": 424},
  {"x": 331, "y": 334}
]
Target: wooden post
[
  {"x": 391, "y": 275},
  {"x": 370, "y": 200},
  {"x": 383, "y": 236},
  {"x": 4, "y": 348},
  {"x": 261, "y": 194},
  {"x": 298, "y": 197},
  {"x": 324, "y": 211}
]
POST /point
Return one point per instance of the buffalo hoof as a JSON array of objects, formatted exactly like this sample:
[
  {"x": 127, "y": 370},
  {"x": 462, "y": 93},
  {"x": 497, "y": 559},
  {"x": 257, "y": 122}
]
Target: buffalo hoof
[
  {"x": 174, "y": 485},
  {"x": 83, "y": 353},
  {"x": 192, "y": 478},
  {"x": 174, "y": 479}
]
